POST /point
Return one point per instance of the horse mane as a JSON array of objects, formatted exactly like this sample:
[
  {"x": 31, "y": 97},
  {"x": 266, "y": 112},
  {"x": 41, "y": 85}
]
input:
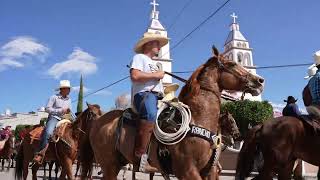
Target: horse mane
[{"x": 192, "y": 86}]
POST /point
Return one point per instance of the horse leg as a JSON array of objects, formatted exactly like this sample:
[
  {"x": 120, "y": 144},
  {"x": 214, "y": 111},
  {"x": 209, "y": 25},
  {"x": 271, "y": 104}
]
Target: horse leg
[
  {"x": 12, "y": 161},
  {"x": 266, "y": 172},
  {"x": 56, "y": 169},
  {"x": 133, "y": 175},
  {"x": 297, "y": 173},
  {"x": 34, "y": 171},
  {"x": 25, "y": 169},
  {"x": 190, "y": 174},
  {"x": 50, "y": 168},
  {"x": 286, "y": 172},
  {"x": 9, "y": 165},
  {"x": 110, "y": 173},
  {"x": 2, "y": 164},
  {"x": 44, "y": 169},
  {"x": 67, "y": 167},
  {"x": 151, "y": 176},
  {"x": 78, "y": 167}
]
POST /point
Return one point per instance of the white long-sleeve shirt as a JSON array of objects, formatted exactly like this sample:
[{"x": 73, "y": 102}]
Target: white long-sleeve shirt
[{"x": 56, "y": 104}]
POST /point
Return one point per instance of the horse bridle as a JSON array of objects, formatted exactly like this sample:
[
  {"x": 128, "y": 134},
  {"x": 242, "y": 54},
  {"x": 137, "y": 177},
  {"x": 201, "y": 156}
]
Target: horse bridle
[{"x": 89, "y": 116}]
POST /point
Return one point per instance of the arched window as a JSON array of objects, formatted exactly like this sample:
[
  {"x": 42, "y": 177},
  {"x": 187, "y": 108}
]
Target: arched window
[
  {"x": 244, "y": 45},
  {"x": 240, "y": 58},
  {"x": 247, "y": 59},
  {"x": 238, "y": 44}
]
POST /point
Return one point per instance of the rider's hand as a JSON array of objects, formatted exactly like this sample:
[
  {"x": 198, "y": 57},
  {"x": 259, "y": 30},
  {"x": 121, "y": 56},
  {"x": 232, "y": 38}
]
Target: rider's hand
[{"x": 159, "y": 74}]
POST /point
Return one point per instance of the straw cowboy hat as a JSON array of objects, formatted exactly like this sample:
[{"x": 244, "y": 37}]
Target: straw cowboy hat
[
  {"x": 148, "y": 37},
  {"x": 64, "y": 84},
  {"x": 316, "y": 57},
  {"x": 312, "y": 70},
  {"x": 290, "y": 99}
]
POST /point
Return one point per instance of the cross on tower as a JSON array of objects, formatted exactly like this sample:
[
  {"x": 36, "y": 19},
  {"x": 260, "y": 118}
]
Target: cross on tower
[
  {"x": 155, "y": 4},
  {"x": 233, "y": 15}
]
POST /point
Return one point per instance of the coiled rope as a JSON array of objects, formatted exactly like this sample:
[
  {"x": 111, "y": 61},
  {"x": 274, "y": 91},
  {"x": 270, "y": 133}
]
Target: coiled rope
[{"x": 180, "y": 134}]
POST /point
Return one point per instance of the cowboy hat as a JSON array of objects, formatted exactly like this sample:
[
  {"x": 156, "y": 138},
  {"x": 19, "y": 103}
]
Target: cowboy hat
[
  {"x": 148, "y": 37},
  {"x": 290, "y": 99},
  {"x": 316, "y": 57},
  {"x": 64, "y": 84},
  {"x": 312, "y": 70}
]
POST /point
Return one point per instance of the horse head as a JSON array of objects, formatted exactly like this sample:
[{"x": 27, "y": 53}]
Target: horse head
[
  {"x": 229, "y": 128},
  {"x": 233, "y": 76},
  {"x": 91, "y": 113}
]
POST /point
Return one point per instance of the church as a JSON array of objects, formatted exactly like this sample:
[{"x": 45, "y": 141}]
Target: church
[{"x": 236, "y": 48}]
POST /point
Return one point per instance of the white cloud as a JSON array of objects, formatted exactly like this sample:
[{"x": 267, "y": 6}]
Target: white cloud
[
  {"x": 78, "y": 61},
  {"x": 20, "y": 48},
  {"x": 77, "y": 89},
  {"x": 277, "y": 107}
]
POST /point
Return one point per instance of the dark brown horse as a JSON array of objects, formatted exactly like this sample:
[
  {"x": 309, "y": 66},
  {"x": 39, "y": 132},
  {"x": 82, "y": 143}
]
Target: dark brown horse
[
  {"x": 281, "y": 140},
  {"x": 64, "y": 151},
  {"x": 7, "y": 152},
  {"x": 192, "y": 157}
]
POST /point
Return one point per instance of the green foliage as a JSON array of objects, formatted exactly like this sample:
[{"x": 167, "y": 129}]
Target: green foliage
[
  {"x": 43, "y": 121},
  {"x": 248, "y": 113},
  {"x": 80, "y": 97}
]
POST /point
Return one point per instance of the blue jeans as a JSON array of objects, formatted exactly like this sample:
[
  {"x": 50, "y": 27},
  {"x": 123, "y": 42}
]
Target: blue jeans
[
  {"x": 47, "y": 133},
  {"x": 146, "y": 104}
]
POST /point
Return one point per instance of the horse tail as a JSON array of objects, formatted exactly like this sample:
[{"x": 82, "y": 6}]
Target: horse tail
[
  {"x": 86, "y": 157},
  {"x": 248, "y": 153},
  {"x": 19, "y": 163}
]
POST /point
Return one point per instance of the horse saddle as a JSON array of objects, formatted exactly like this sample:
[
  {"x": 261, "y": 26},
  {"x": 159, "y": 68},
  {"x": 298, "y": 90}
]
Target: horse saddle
[
  {"x": 36, "y": 132},
  {"x": 311, "y": 122}
]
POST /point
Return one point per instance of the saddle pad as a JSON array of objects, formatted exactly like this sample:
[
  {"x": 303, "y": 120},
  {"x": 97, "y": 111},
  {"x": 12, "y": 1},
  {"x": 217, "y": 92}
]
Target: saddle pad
[
  {"x": 129, "y": 117},
  {"x": 35, "y": 134}
]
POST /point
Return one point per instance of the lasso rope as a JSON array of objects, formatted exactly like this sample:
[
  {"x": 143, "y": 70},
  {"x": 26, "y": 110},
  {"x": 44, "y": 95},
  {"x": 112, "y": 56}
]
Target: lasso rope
[{"x": 180, "y": 134}]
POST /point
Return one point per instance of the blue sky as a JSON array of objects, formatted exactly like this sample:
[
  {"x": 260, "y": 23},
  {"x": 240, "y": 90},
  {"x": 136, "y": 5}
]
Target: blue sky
[{"x": 42, "y": 42}]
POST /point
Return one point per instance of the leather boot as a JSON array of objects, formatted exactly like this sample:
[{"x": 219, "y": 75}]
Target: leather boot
[{"x": 144, "y": 132}]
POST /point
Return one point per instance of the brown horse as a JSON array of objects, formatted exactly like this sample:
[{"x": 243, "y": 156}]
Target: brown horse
[
  {"x": 7, "y": 152},
  {"x": 229, "y": 132},
  {"x": 192, "y": 158},
  {"x": 64, "y": 151},
  {"x": 281, "y": 140}
]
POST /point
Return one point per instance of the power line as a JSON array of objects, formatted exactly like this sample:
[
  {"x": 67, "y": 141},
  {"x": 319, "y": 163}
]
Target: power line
[
  {"x": 173, "y": 47},
  {"x": 109, "y": 85},
  {"x": 179, "y": 14},
  {"x": 197, "y": 27},
  {"x": 258, "y": 67},
  {"x": 201, "y": 24}
]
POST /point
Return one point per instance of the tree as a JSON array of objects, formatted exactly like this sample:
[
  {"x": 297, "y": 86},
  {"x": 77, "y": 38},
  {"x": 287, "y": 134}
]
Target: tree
[
  {"x": 123, "y": 101},
  {"x": 80, "y": 97},
  {"x": 248, "y": 113}
]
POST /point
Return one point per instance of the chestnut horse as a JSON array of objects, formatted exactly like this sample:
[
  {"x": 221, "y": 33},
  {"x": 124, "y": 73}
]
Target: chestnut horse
[
  {"x": 64, "y": 151},
  {"x": 192, "y": 157},
  {"x": 282, "y": 141},
  {"x": 229, "y": 133}
]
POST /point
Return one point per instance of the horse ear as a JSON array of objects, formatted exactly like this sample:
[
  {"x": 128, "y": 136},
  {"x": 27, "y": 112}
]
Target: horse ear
[
  {"x": 215, "y": 51},
  {"x": 88, "y": 104}
]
